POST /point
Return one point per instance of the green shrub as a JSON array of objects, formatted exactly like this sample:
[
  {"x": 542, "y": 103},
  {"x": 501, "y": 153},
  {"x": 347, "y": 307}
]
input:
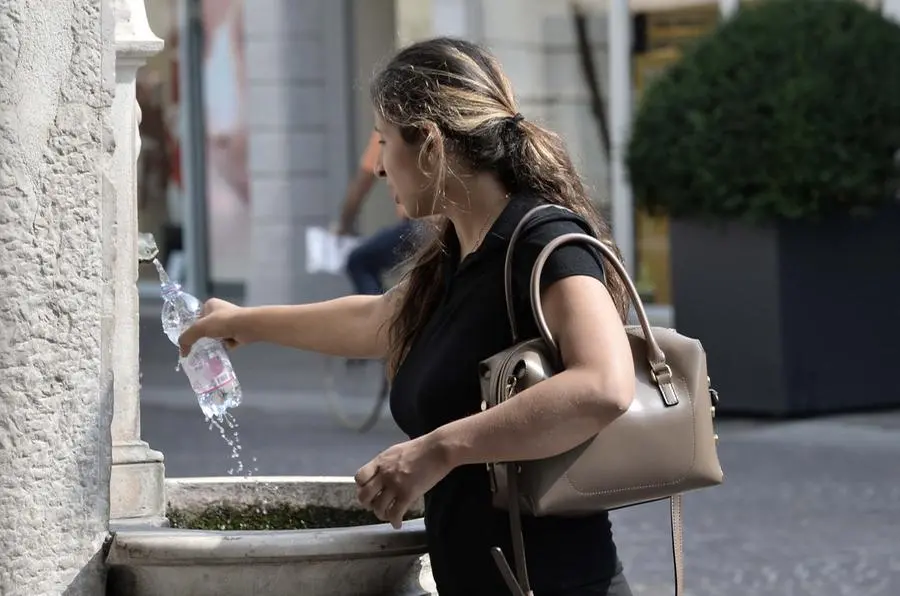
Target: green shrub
[{"x": 788, "y": 110}]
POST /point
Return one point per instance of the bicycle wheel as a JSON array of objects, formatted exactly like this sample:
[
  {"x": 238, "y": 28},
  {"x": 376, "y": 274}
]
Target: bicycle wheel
[{"x": 357, "y": 391}]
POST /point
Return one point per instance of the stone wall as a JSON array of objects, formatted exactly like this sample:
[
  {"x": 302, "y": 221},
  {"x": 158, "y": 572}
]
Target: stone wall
[{"x": 56, "y": 84}]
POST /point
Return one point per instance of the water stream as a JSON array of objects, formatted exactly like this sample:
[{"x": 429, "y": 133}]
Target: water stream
[{"x": 226, "y": 423}]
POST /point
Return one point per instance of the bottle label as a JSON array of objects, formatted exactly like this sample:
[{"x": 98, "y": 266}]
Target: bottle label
[{"x": 206, "y": 371}]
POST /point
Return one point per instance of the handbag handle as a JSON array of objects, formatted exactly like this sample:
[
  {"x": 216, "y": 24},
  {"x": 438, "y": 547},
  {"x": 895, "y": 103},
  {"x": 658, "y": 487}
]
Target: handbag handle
[
  {"x": 507, "y": 267},
  {"x": 659, "y": 370},
  {"x": 660, "y": 373}
]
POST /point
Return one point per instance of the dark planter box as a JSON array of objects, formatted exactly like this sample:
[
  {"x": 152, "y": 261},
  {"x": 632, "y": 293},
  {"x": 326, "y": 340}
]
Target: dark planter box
[{"x": 796, "y": 319}]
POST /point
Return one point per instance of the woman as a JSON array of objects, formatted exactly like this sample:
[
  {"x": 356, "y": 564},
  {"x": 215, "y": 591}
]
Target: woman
[{"x": 454, "y": 144}]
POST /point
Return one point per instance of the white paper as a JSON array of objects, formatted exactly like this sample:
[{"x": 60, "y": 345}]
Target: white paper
[{"x": 326, "y": 252}]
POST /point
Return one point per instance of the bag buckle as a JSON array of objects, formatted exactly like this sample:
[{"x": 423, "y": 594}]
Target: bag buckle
[{"x": 663, "y": 376}]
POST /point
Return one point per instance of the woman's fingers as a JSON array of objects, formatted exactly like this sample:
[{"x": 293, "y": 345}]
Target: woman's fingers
[
  {"x": 381, "y": 504},
  {"x": 190, "y": 336},
  {"x": 384, "y": 501},
  {"x": 388, "y": 503},
  {"x": 212, "y": 305},
  {"x": 368, "y": 492},
  {"x": 396, "y": 511},
  {"x": 366, "y": 473},
  {"x": 214, "y": 322}
]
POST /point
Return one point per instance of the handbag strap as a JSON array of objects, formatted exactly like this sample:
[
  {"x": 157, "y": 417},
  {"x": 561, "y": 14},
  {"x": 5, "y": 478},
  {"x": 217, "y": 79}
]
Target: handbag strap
[
  {"x": 655, "y": 356},
  {"x": 524, "y": 223},
  {"x": 658, "y": 367},
  {"x": 522, "y": 587}
]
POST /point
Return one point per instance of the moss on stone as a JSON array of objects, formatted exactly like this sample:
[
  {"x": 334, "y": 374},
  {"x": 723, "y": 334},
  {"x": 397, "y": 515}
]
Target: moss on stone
[{"x": 281, "y": 516}]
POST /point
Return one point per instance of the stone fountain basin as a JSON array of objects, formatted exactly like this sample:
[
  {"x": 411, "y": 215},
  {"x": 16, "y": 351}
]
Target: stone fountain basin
[{"x": 353, "y": 561}]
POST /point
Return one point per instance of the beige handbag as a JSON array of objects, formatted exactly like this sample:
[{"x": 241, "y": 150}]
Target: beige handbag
[{"x": 664, "y": 445}]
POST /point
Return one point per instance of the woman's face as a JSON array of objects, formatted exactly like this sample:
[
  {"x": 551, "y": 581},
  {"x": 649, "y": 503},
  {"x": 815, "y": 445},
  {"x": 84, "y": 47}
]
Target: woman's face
[{"x": 398, "y": 163}]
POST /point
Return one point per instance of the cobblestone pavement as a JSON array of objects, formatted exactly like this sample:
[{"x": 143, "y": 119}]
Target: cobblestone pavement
[{"x": 809, "y": 508}]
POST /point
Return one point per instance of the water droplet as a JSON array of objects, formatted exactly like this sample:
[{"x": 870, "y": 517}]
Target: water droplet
[{"x": 232, "y": 439}]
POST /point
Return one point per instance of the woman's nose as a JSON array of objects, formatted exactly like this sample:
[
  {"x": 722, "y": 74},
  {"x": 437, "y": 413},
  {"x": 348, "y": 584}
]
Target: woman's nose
[{"x": 379, "y": 163}]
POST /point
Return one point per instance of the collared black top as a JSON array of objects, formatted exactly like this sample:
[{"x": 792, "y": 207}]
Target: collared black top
[{"x": 438, "y": 383}]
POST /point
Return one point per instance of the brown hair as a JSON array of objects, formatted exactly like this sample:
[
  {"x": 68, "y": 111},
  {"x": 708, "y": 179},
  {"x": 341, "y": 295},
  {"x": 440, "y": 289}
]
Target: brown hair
[{"x": 452, "y": 97}]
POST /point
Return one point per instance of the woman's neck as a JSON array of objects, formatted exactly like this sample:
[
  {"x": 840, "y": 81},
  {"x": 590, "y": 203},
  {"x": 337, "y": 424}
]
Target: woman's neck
[{"x": 474, "y": 208}]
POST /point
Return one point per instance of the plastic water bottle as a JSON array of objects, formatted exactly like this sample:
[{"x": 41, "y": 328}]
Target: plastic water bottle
[{"x": 207, "y": 367}]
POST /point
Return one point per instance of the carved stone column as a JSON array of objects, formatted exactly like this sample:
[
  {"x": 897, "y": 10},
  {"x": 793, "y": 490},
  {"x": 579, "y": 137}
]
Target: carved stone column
[
  {"x": 56, "y": 89},
  {"x": 137, "y": 493}
]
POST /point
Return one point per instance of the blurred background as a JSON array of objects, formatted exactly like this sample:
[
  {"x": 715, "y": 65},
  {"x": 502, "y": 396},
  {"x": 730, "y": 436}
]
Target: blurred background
[{"x": 254, "y": 119}]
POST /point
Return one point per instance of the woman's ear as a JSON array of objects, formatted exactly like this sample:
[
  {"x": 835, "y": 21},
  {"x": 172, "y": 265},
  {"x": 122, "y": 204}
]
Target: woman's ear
[{"x": 432, "y": 155}]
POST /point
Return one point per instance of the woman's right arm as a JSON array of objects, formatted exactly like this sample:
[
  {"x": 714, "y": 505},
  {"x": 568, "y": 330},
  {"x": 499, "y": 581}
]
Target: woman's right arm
[{"x": 351, "y": 326}]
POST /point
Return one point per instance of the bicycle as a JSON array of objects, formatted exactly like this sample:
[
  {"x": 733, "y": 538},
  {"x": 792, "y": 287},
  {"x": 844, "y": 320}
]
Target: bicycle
[{"x": 347, "y": 382}]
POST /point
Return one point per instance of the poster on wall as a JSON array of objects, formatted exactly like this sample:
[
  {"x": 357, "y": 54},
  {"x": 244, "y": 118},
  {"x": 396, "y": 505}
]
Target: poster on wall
[
  {"x": 224, "y": 103},
  {"x": 160, "y": 180}
]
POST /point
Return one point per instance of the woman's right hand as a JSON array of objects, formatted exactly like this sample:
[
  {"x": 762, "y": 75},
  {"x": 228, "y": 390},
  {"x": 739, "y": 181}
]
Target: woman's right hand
[{"x": 218, "y": 320}]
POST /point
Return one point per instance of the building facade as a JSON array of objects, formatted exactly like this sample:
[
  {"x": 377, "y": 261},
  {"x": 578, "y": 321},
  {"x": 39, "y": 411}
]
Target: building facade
[
  {"x": 287, "y": 116},
  {"x": 303, "y": 155}
]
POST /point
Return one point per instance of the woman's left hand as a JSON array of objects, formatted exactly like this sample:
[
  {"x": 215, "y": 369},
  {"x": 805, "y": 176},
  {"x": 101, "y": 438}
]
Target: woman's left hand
[{"x": 399, "y": 475}]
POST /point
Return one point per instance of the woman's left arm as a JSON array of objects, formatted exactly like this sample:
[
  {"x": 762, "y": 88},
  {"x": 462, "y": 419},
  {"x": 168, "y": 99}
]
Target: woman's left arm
[
  {"x": 562, "y": 412},
  {"x": 547, "y": 419}
]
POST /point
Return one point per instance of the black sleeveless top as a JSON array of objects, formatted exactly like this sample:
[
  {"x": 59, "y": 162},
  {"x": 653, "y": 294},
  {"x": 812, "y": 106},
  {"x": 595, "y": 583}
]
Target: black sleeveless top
[{"x": 438, "y": 383}]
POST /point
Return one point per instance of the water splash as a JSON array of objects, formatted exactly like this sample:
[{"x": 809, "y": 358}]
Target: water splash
[
  {"x": 148, "y": 252},
  {"x": 228, "y": 426}
]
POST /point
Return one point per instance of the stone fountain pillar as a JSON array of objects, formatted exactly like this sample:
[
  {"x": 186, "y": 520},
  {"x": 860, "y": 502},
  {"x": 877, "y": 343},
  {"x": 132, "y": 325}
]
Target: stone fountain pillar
[
  {"x": 56, "y": 142},
  {"x": 137, "y": 490}
]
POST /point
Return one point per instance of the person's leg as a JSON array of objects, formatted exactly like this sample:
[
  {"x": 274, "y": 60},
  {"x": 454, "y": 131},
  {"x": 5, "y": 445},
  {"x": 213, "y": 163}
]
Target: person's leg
[
  {"x": 365, "y": 280},
  {"x": 375, "y": 255}
]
